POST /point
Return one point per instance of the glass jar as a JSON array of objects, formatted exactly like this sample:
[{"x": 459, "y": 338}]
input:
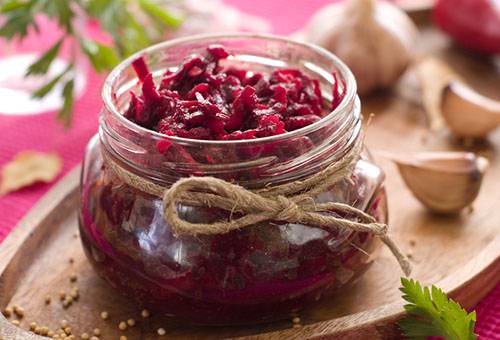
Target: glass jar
[{"x": 255, "y": 274}]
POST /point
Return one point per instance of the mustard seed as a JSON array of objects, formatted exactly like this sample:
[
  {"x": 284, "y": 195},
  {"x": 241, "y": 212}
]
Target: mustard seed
[
  {"x": 37, "y": 330},
  {"x": 123, "y": 337},
  {"x": 71, "y": 337},
  {"x": 33, "y": 326},
  {"x": 73, "y": 278},
  {"x": 145, "y": 313},
  {"x": 7, "y": 312},
  {"x": 67, "y": 330},
  {"x": 104, "y": 315},
  {"x": 47, "y": 299},
  {"x": 161, "y": 331},
  {"x": 131, "y": 322},
  {"x": 15, "y": 322},
  {"x": 296, "y": 319},
  {"x": 55, "y": 336},
  {"x": 97, "y": 331},
  {"x": 122, "y": 325},
  {"x": 50, "y": 334},
  {"x": 94, "y": 338},
  {"x": 44, "y": 330},
  {"x": 19, "y": 311},
  {"x": 84, "y": 336},
  {"x": 74, "y": 295},
  {"x": 64, "y": 324},
  {"x": 62, "y": 295}
]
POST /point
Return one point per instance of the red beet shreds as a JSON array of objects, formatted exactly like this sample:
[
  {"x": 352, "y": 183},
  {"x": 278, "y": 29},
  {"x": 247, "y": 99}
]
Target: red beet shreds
[{"x": 202, "y": 100}]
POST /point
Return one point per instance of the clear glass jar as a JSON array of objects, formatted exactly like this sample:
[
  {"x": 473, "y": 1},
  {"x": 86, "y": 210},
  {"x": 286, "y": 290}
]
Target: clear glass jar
[{"x": 255, "y": 274}]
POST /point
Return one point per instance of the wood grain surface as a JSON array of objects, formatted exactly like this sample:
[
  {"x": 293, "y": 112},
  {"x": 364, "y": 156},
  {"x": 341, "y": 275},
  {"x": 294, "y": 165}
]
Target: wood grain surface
[{"x": 458, "y": 253}]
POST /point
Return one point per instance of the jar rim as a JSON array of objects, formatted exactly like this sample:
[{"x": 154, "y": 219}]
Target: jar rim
[{"x": 346, "y": 74}]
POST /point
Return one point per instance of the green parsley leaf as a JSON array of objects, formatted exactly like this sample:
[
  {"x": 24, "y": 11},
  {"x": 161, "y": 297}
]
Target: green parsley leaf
[
  {"x": 158, "y": 12},
  {"x": 66, "y": 111},
  {"x": 42, "y": 65},
  {"x": 18, "y": 19},
  {"x": 49, "y": 86},
  {"x": 432, "y": 313},
  {"x": 101, "y": 56}
]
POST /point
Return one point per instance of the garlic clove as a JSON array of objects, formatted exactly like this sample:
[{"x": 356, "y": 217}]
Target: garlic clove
[
  {"x": 468, "y": 113},
  {"x": 444, "y": 182},
  {"x": 374, "y": 38}
]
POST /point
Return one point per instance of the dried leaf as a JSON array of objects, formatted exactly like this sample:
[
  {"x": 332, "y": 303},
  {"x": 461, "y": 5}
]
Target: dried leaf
[
  {"x": 27, "y": 168},
  {"x": 434, "y": 76}
]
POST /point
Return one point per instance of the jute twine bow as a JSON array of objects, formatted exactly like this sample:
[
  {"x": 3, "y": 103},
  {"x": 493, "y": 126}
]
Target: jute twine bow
[{"x": 291, "y": 202}]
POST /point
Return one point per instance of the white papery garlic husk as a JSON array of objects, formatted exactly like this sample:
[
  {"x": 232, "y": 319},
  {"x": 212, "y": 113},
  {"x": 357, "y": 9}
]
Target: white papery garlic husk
[{"x": 375, "y": 39}]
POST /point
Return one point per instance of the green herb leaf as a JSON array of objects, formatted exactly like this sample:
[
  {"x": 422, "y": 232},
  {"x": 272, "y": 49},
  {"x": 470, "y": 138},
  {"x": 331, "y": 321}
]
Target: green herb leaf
[
  {"x": 49, "y": 86},
  {"x": 101, "y": 56},
  {"x": 158, "y": 12},
  {"x": 42, "y": 65},
  {"x": 432, "y": 313},
  {"x": 18, "y": 19},
  {"x": 66, "y": 111}
]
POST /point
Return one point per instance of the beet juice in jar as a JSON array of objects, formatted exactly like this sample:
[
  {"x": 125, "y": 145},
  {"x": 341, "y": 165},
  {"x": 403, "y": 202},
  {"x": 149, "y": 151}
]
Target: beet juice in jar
[{"x": 257, "y": 112}]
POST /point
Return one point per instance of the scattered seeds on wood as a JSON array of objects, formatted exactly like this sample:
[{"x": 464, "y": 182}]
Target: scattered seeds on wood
[
  {"x": 145, "y": 313},
  {"x": 33, "y": 326},
  {"x": 84, "y": 336},
  {"x": 97, "y": 331},
  {"x": 131, "y": 322},
  {"x": 27, "y": 168},
  {"x": 296, "y": 319},
  {"x": 122, "y": 325},
  {"x": 94, "y": 338},
  {"x": 123, "y": 337},
  {"x": 67, "y": 330},
  {"x": 161, "y": 331},
  {"x": 62, "y": 295},
  {"x": 104, "y": 315},
  {"x": 7, "y": 312},
  {"x": 15, "y": 322}
]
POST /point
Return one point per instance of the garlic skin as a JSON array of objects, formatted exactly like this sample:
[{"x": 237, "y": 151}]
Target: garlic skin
[
  {"x": 375, "y": 39},
  {"x": 468, "y": 113},
  {"x": 444, "y": 182}
]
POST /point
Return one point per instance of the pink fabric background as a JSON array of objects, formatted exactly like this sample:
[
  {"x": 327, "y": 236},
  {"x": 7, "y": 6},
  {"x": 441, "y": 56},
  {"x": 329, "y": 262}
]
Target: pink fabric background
[{"x": 42, "y": 133}]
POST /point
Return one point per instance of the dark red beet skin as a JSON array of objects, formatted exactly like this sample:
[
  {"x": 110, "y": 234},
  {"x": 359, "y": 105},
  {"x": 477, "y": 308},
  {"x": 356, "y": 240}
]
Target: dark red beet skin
[{"x": 202, "y": 100}]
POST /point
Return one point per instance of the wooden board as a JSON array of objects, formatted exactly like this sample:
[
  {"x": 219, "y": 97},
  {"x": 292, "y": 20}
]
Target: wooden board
[{"x": 459, "y": 254}]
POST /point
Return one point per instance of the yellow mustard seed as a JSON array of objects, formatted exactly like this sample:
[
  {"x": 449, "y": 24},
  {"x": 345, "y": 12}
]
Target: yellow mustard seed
[
  {"x": 56, "y": 336},
  {"x": 161, "y": 331},
  {"x": 131, "y": 322},
  {"x": 84, "y": 336},
  {"x": 50, "y": 333},
  {"x": 44, "y": 330},
  {"x": 67, "y": 330},
  {"x": 19, "y": 311},
  {"x": 33, "y": 326},
  {"x": 123, "y": 337},
  {"x": 104, "y": 315},
  {"x": 296, "y": 319},
  {"x": 7, "y": 312},
  {"x": 94, "y": 338},
  {"x": 122, "y": 325},
  {"x": 64, "y": 324},
  {"x": 15, "y": 322},
  {"x": 73, "y": 277},
  {"x": 37, "y": 330},
  {"x": 97, "y": 331},
  {"x": 62, "y": 295},
  {"x": 145, "y": 313}
]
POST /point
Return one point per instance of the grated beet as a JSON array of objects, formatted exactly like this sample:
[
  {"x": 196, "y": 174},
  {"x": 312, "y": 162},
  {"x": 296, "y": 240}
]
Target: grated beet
[{"x": 202, "y": 100}]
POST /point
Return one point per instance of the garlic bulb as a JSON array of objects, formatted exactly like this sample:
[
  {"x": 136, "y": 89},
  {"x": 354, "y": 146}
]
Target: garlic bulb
[
  {"x": 374, "y": 39},
  {"x": 445, "y": 182}
]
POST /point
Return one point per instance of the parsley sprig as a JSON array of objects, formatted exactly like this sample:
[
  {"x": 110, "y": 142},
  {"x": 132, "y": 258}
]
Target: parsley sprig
[
  {"x": 131, "y": 24},
  {"x": 432, "y": 313}
]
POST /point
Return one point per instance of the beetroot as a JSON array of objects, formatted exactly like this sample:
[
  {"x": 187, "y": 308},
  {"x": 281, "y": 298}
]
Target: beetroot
[{"x": 202, "y": 100}]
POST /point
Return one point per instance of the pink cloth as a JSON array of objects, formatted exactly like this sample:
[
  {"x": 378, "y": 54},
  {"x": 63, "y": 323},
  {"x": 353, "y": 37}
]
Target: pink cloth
[{"x": 41, "y": 132}]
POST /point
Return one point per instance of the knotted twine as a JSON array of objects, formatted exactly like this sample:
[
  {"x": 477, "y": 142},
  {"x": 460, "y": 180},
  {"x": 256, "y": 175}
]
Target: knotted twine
[{"x": 291, "y": 202}]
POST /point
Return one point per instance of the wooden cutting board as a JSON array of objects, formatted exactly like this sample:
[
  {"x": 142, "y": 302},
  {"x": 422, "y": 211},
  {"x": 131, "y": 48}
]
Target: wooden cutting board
[{"x": 458, "y": 253}]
